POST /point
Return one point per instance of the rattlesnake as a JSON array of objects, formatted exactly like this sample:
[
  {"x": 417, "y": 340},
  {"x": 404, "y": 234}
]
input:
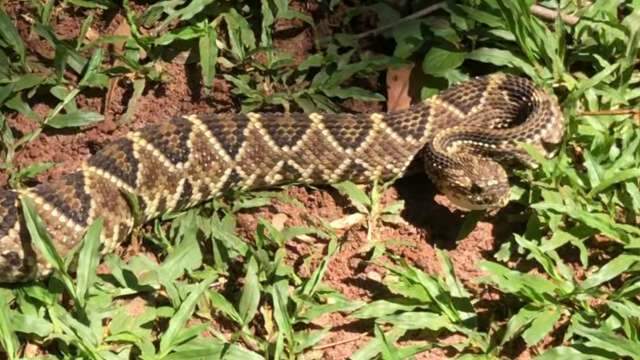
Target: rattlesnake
[{"x": 463, "y": 138}]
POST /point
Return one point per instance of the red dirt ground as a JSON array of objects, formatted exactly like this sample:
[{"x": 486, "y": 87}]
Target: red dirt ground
[{"x": 430, "y": 223}]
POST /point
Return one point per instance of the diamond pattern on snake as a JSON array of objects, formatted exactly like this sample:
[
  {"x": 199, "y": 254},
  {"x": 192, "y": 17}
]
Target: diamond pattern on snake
[{"x": 465, "y": 138}]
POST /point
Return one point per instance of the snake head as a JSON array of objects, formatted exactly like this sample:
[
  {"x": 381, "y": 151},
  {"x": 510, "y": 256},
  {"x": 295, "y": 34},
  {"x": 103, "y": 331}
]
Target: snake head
[{"x": 478, "y": 184}]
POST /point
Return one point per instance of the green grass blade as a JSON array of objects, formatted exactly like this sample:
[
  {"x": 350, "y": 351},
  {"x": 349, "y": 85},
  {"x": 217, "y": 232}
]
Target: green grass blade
[
  {"x": 280, "y": 297},
  {"x": 74, "y": 119},
  {"x": 358, "y": 198},
  {"x": 223, "y": 305},
  {"x": 544, "y": 322},
  {"x": 611, "y": 270},
  {"x": 8, "y": 338},
  {"x": 180, "y": 318},
  {"x": 10, "y": 34},
  {"x": 388, "y": 350},
  {"x": 250, "y": 293},
  {"x": 208, "y": 54},
  {"x": 604, "y": 338},
  {"x": 88, "y": 259},
  {"x": 569, "y": 353},
  {"x": 615, "y": 178},
  {"x": 41, "y": 239}
]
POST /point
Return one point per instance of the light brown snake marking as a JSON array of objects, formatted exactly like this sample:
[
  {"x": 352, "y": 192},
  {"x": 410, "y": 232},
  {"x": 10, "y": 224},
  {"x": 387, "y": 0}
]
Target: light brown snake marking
[{"x": 464, "y": 137}]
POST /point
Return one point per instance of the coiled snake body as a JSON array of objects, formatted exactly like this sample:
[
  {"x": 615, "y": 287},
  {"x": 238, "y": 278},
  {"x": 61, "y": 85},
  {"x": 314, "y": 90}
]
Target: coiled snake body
[{"x": 462, "y": 136}]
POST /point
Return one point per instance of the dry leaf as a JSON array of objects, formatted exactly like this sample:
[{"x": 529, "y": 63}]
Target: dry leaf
[
  {"x": 375, "y": 276},
  {"x": 92, "y": 35},
  {"x": 305, "y": 238},
  {"x": 122, "y": 30},
  {"x": 347, "y": 221},
  {"x": 398, "y": 86},
  {"x": 278, "y": 221}
]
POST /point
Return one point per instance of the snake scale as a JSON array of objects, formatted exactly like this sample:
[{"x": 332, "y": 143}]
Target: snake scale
[{"x": 463, "y": 138}]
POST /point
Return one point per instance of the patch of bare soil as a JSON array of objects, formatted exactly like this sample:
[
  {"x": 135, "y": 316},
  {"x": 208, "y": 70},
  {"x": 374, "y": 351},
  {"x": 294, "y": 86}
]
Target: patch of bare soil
[{"x": 430, "y": 224}]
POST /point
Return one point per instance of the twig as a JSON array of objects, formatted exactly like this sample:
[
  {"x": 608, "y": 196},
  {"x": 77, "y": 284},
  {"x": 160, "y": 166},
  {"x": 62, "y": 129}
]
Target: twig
[
  {"x": 426, "y": 11},
  {"x": 550, "y": 14},
  {"x": 635, "y": 113},
  {"x": 537, "y": 10},
  {"x": 333, "y": 344},
  {"x": 610, "y": 112}
]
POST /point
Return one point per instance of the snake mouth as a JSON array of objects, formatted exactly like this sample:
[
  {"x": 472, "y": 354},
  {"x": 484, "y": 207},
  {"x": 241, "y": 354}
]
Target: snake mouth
[{"x": 487, "y": 196}]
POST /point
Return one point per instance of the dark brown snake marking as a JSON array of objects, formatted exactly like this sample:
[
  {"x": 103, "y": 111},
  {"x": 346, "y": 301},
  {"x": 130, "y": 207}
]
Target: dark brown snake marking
[{"x": 462, "y": 136}]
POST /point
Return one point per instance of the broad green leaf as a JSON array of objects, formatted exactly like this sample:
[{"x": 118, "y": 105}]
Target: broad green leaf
[
  {"x": 31, "y": 324},
  {"x": 80, "y": 333},
  {"x": 90, "y": 75},
  {"x": 531, "y": 286},
  {"x": 519, "y": 321},
  {"x": 388, "y": 349},
  {"x": 27, "y": 81},
  {"x": 438, "y": 61},
  {"x": 240, "y": 34},
  {"x": 605, "y": 339},
  {"x": 185, "y": 256},
  {"x": 376, "y": 345},
  {"x": 211, "y": 348},
  {"x": 615, "y": 178},
  {"x": 33, "y": 170},
  {"x": 313, "y": 311},
  {"x": 192, "y": 9},
  {"x": 436, "y": 292},
  {"x": 8, "y": 338},
  {"x": 358, "y": 198},
  {"x": 309, "y": 338},
  {"x": 43, "y": 242},
  {"x": 502, "y": 57},
  {"x": 10, "y": 35},
  {"x": 208, "y": 54},
  {"x": 315, "y": 280},
  {"x": 94, "y": 4},
  {"x": 413, "y": 320},
  {"x": 74, "y": 119},
  {"x": 250, "y": 298},
  {"x": 220, "y": 303},
  {"x": 569, "y": 353},
  {"x": 611, "y": 270},
  {"x": 18, "y": 104},
  {"x": 185, "y": 33},
  {"x": 599, "y": 221},
  {"x": 596, "y": 79},
  {"x": 485, "y": 17},
  {"x": 461, "y": 299},
  {"x": 380, "y": 308},
  {"x": 184, "y": 313},
  {"x": 279, "y": 296},
  {"x": 543, "y": 322}
]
